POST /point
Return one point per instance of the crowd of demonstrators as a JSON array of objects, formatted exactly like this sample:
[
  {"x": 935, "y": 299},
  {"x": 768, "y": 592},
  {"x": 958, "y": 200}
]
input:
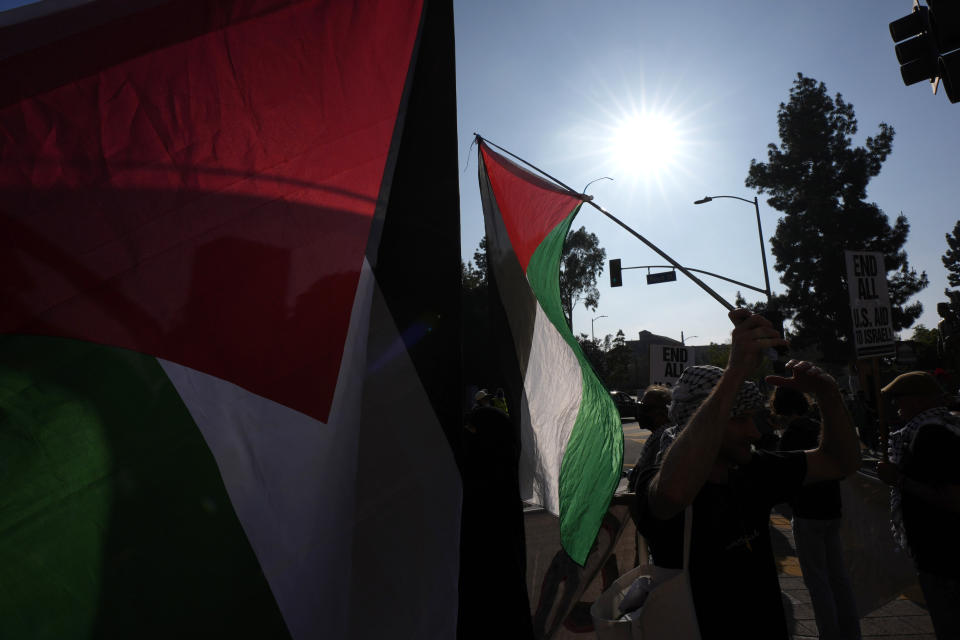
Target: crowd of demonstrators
[
  {"x": 816, "y": 525},
  {"x": 924, "y": 474},
  {"x": 708, "y": 461}
]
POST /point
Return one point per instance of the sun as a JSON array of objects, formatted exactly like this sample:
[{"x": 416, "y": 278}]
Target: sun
[{"x": 646, "y": 144}]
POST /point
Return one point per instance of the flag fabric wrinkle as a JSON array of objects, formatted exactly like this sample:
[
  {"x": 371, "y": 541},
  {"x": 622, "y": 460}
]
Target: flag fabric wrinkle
[
  {"x": 570, "y": 432},
  {"x": 210, "y": 418}
]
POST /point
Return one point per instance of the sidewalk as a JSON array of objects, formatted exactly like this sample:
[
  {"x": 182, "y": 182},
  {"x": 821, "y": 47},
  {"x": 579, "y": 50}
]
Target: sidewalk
[{"x": 901, "y": 618}]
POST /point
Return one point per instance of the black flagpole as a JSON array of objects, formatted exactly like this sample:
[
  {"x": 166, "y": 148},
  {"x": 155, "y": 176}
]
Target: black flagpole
[{"x": 589, "y": 200}]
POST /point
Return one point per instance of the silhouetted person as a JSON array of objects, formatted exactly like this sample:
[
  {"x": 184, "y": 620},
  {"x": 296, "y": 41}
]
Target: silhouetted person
[
  {"x": 816, "y": 526},
  {"x": 946, "y": 334},
  {"x": 711, "y": 465},
  {"x": 924, "y": 473},
  {"x": 654, "y": 415},
  {"x": 493, "y": 587}
]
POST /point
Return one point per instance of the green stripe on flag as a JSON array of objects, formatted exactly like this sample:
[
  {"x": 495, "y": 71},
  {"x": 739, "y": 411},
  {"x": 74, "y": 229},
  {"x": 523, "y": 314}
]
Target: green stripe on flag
[
  {"x": 593, "y": 459},
  {"x": 114, "y": 521}
]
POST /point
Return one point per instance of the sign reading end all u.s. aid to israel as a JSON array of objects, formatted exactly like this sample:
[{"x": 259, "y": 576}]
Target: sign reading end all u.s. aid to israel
[{"x": 869, "y": 304}]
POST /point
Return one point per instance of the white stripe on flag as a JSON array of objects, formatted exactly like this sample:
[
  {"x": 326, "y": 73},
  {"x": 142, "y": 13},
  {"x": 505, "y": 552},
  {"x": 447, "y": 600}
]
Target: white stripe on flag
[
  {"x": 355, "y": 516},
  {"x": 553, "y": 389},
  {"x": 290, "y": 478}
]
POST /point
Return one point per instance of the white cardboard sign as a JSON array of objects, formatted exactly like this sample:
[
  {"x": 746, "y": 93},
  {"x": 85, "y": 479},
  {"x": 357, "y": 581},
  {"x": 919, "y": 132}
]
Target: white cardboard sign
[
  {"x": 667, "y": 362},
  {"x": 869, "y": 304}
]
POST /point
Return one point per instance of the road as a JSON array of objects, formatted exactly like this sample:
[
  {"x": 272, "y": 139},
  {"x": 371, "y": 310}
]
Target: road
[{"x": 633, "y": 439}]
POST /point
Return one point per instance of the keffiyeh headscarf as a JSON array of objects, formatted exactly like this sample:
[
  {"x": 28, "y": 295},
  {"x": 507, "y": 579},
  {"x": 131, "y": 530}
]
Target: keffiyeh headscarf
[
  {"x": 693, "y": 387},
  {"x": 901, "y": 442}
]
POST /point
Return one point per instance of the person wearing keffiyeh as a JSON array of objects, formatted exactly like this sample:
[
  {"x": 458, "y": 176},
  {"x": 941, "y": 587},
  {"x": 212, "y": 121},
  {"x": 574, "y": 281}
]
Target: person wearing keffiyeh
[
  {"x": 693, "y": 388},
  {"x": 924, "y": 476},
  {"x": 710, "y": 464}
]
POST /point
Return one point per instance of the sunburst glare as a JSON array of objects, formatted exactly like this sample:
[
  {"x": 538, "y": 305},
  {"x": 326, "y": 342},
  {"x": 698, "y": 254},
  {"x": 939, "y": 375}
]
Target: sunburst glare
[{"x": 646, "y": 144}]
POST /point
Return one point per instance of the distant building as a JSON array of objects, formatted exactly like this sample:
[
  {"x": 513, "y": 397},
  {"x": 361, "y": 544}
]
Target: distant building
[{"x": 639, "y": 368}]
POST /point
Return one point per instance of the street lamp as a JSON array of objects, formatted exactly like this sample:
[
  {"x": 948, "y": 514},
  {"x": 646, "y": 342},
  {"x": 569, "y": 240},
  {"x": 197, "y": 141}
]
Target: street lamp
[
  {"x": 763, "y": 253},
  {"x": 593, "y": 337}
]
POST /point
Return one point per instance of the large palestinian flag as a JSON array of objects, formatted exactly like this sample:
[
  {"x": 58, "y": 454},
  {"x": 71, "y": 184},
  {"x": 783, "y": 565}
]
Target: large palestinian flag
[
  {"x": 229, "y": 271},
  {"x": 571, "y": 438}
]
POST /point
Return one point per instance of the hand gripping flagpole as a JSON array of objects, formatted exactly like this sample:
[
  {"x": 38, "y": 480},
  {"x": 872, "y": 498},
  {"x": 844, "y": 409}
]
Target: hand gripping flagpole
[{"x": 589, "y": 200}]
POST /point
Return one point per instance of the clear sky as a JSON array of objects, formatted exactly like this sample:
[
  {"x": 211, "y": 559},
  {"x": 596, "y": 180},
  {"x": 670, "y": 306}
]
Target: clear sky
[
  {"x": 555, "y": 82},
  {"x": 558, "y": 81}
]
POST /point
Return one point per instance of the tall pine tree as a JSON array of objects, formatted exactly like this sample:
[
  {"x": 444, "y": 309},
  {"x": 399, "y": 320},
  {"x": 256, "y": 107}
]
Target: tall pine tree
[
  {"x": 818, "y": 179},
  {"x": 951, "y": 260}
]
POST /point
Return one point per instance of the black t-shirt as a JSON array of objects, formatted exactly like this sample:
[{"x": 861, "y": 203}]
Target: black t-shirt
[
  {"x": 820, "y": 501},
  {"x": 732, "y": 572},
  {"x": 933, "y": 533}
]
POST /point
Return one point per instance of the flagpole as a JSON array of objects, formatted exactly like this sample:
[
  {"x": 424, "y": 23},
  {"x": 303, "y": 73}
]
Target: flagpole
[{"x": 589, "y": 200}]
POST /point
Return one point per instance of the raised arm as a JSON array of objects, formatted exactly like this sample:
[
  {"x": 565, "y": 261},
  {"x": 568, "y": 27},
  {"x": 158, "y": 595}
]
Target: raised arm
[
  {"x": 838, "y": 454},
  {"x": 692, "y": 456}
]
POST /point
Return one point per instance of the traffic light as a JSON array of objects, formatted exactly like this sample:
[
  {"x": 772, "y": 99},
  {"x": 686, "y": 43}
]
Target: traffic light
[
  {"x": 918, "y": 54},
  {"x": 616, "y": 277},
  {"x": 948, "y": 66},
  {"x": 928, "y": 45}
]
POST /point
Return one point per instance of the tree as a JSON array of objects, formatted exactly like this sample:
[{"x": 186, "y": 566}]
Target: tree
[
  {"x": 619, "y": 357},
  {"x": 610, "y": 358},
  {"x": 580, "y": 265},
  {"x": 480, "y": 256},
  {"x": 595, "y": 353},
  {"x": 951, "y": 260},
  {"x": 949, "y": 327},
  {"x": 926, "y": 347},
  {"x": 718, "y": 354},
  {"x": 472, "y": 278},
  {"x": 818, "y": 179},
  {"x": 478, "y": 353}
]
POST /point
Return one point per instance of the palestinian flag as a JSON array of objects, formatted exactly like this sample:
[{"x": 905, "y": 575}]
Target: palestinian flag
[
  {"x": 228, "y": 367},
  {"x": 571, "y": 438}
]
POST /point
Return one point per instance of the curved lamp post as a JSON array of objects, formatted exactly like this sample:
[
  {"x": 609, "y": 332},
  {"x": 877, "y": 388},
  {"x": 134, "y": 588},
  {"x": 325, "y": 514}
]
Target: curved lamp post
[
  {"x": 763, "y": 253},
  {"x": 593, "y": 337}
]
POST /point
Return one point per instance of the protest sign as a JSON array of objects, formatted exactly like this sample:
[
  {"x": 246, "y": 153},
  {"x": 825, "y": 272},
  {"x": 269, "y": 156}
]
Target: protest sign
[
  {"x": 869, "y": 304},
  {"x": 668, "y": 361}
]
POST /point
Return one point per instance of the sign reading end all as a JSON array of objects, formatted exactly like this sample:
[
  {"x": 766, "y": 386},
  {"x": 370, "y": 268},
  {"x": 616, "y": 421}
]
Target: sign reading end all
[
  {"x": 869, "y": 304},
  {"x": 667, "y": 362}
]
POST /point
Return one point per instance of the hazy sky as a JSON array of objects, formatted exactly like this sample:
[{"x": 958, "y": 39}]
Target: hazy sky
[
  {"x": 558, "y": 82},
  {"x": 554, "y": 82}
]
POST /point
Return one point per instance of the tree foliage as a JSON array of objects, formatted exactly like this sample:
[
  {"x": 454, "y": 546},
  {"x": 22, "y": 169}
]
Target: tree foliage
[
  {"x": 926, "y": 347},
  {"x": 593, "y": 350},
  {"x": 718, "y": 354},
  {"x": 479, "y": 360},
  {"x": 619, "y": 357},
  {"x": 951, "y": 260},
  {"x": 582, "y": 262},
  {"x": 818, "y": 179},
  {"x": 610, "y": 358}
]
